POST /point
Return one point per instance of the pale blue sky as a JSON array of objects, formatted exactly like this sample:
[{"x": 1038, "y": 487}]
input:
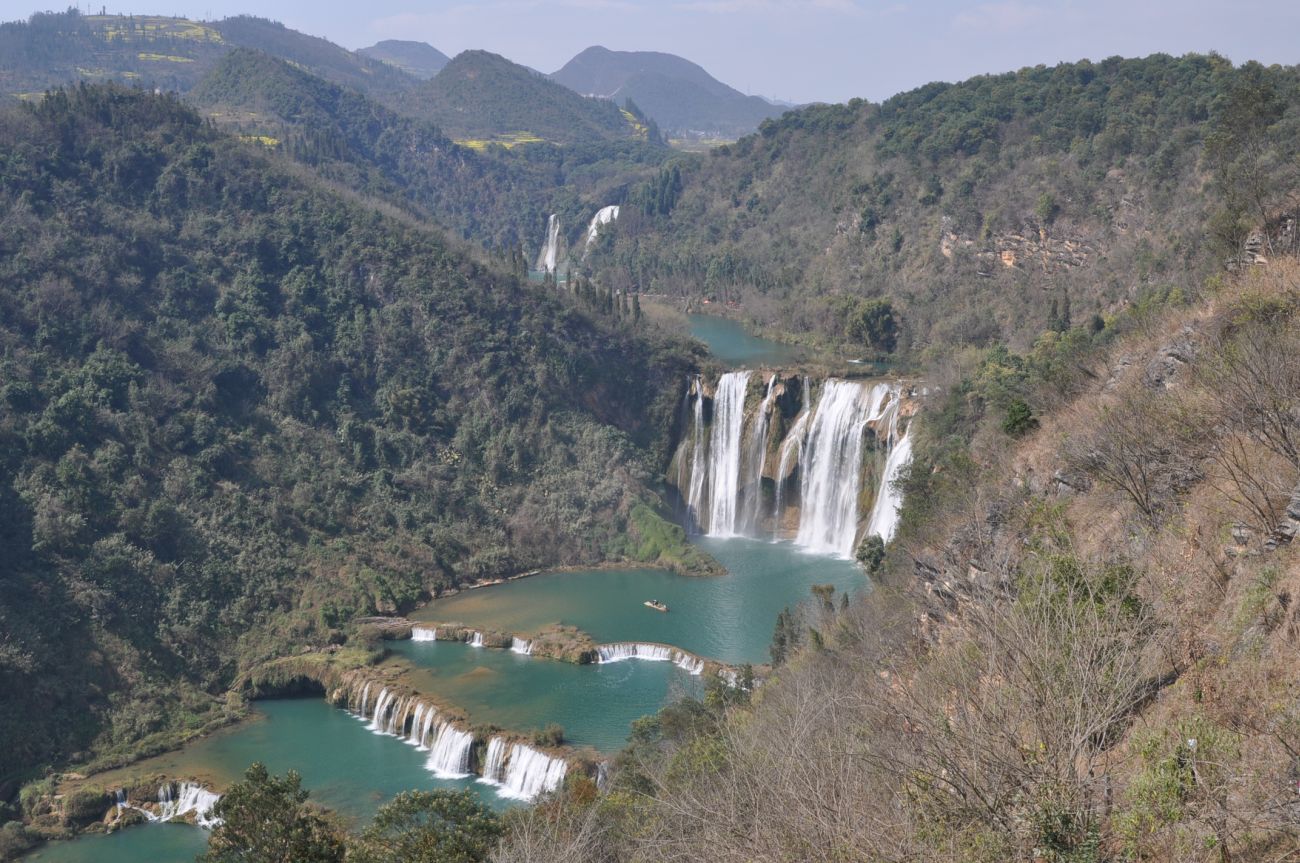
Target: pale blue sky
[{"x": 796, "y": 50}]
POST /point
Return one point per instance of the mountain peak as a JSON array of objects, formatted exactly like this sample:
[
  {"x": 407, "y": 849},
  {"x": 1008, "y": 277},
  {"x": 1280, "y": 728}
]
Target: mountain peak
[{"x": 415, "y": 58}]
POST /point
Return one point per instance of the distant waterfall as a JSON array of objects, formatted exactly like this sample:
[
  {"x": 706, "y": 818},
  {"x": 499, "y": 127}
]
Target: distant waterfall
[
  {"x": 550, "y": 255},
  {"x": 518, "y": 645},
  {"x": 529, "y": 773},
  {"x": 830, "y": 465},
  {"x": 450, "y": 751},
  {"x": 476, "y": 640},
  {"x": 622, "y": 651},
  {"x": 724, "y": 463},
  {"x": 424, "y": 633},
  {"x": 603, "y": 216},
  {"x": 724, "y": 452},
  {"x": 695, "y": 495}
]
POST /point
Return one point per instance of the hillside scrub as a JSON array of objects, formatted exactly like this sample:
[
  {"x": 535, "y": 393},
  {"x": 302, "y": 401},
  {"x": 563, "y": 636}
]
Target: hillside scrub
[{"x": 1051, "y": 668}]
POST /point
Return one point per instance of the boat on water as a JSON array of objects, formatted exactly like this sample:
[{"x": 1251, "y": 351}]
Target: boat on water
[{"x": 656, "y": 605}]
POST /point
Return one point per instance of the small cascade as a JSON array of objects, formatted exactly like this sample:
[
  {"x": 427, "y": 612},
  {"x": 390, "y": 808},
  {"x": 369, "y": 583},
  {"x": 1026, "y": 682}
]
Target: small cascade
[
  {"x": 415, "y": 738},
  {"x": 550, "y": 255},
  {"x": 119, "y": 799},
  {"x": 424, "y": 633},
  {"x": 602, "y": 775},
  {"x": 477, "y": 640},
  {"x": 378, "y": 721},
  {"x": 724, "y": 452},
  {"x": 519, "y": 645},
  {"x": 884, "y": 514},
  {"x": 603, "y": 216},
  {"x": 365, "y": 694},
  {"x": 606, "y": 653},
  {"x": 494, "y": 766},
  {"x": 189, "y": 797},
  {"x": 695, "y": 494},
  {"x": 752, "y": 490},
  {"x": 450, "y": 752},
  {"x": 529, "y": 773}
]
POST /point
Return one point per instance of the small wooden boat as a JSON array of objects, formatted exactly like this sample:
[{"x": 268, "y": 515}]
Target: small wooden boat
[{"x": 656, "y": 605}]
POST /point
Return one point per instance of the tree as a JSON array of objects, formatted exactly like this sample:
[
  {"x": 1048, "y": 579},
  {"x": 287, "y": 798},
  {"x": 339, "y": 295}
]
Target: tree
[
  {"x": 429, "y": 827},
  {"x": 266, "y": 819},
  {"x": 875, "y": 323}
]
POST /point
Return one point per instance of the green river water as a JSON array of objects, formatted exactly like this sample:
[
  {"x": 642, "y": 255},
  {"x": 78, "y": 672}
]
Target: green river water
[
  {"x": 734, "y": 346},
  {"x": 729, "y": 617}
]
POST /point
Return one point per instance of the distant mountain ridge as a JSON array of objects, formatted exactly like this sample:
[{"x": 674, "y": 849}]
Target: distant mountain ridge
[
  {"x": 483, "y": 97},
  {"x": 679, "y": 95},
  {"x": 414, "y": 58}
]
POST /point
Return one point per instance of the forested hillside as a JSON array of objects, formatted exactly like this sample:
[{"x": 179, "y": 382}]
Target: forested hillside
[
  {"x": 415, "y": 58},
  {"x": 237, "y": 410},
  {"x": 173, "y": 54},
  {"x": 994, "y": 208},
  {"x": 483, "y": 97},
  {"x": 498, "y": 199}
]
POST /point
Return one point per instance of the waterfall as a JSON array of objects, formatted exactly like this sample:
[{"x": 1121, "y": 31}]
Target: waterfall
[
  {"x": 724, "y": 452},
  {"x": 518, "y": 645},
  {"x": 831, "y": 466},
  {"x": 792, "y": 444},
  {"x": 494, "y": 767},
  {"x": 549, "y": 257},
  {"x": 190, "y": 797},
  {"x": 119, "y": 798},
  {"x": 365, "y": 692},
  {"x": 381, "y": 705},
  {"x": 477, "y": 640},
  {"x": 415, "y": 738},
  {"x": 603, "y": 216},
  {"x": 753, "y": 488},
  {"x": 602, "y": 775},
  {"x": 606, "y": 653},
  {"x": 450, "y": 752},
  {"x": 424, "y": 633},
  {"x": 884, "y": 514},
  {"x": 530, "y": 773},
  {"x": 695, "y": 495}
]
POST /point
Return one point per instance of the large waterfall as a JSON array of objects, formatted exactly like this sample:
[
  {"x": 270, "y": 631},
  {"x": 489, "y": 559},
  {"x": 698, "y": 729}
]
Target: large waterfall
[
  {"x": 724, "y": 452},
  {"x": 804, "y": 480},
  {"x": 549, "y": 258},
  {"x": 530, "y": 773}
]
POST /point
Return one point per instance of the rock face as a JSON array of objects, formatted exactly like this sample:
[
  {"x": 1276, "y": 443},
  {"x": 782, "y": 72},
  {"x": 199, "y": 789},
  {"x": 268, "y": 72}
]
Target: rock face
[{"x": 1290, "y": 526}]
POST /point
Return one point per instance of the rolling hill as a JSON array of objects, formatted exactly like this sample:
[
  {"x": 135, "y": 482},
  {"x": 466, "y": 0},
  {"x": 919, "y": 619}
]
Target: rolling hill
[
  {"x": 679, "y": 95},
  {"x": 484, "y": 97},
  {"x": 414, "y": 58}
]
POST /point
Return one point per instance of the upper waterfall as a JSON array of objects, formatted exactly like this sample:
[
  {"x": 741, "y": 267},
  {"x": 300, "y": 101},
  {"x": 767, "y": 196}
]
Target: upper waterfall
[
  {"x": 549, "y": 258},
  {"x": 603, "y": 216}
]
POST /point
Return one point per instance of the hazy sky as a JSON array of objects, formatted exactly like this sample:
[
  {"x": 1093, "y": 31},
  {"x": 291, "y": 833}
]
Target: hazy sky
[{"x": 796, "y": 50}]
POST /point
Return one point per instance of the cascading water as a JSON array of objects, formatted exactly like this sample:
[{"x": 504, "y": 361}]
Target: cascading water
[
  {"x": 549, "y": 257},
  {"x": 449, "y": 753},
  {"x": 830, "y": 466},
  {"x": 695, "y": 495},
  {"x": 620, "y": 652},
  {"x": 519, "y": 645},
  {"x": 494, "y": 763},
  {"x": 884, "y": 514},
  {"x": 424, "y": 633},
  {"x": 189, "y": 797},
  {"x": 378, "y": 721},
  {"x": 724, "y": 452},
  {"x": 477, "y": 640},
  {"x": 529, "y": 773},
  {"x": 603, "y": 216},
  {"x": 752, "y": 489}
]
